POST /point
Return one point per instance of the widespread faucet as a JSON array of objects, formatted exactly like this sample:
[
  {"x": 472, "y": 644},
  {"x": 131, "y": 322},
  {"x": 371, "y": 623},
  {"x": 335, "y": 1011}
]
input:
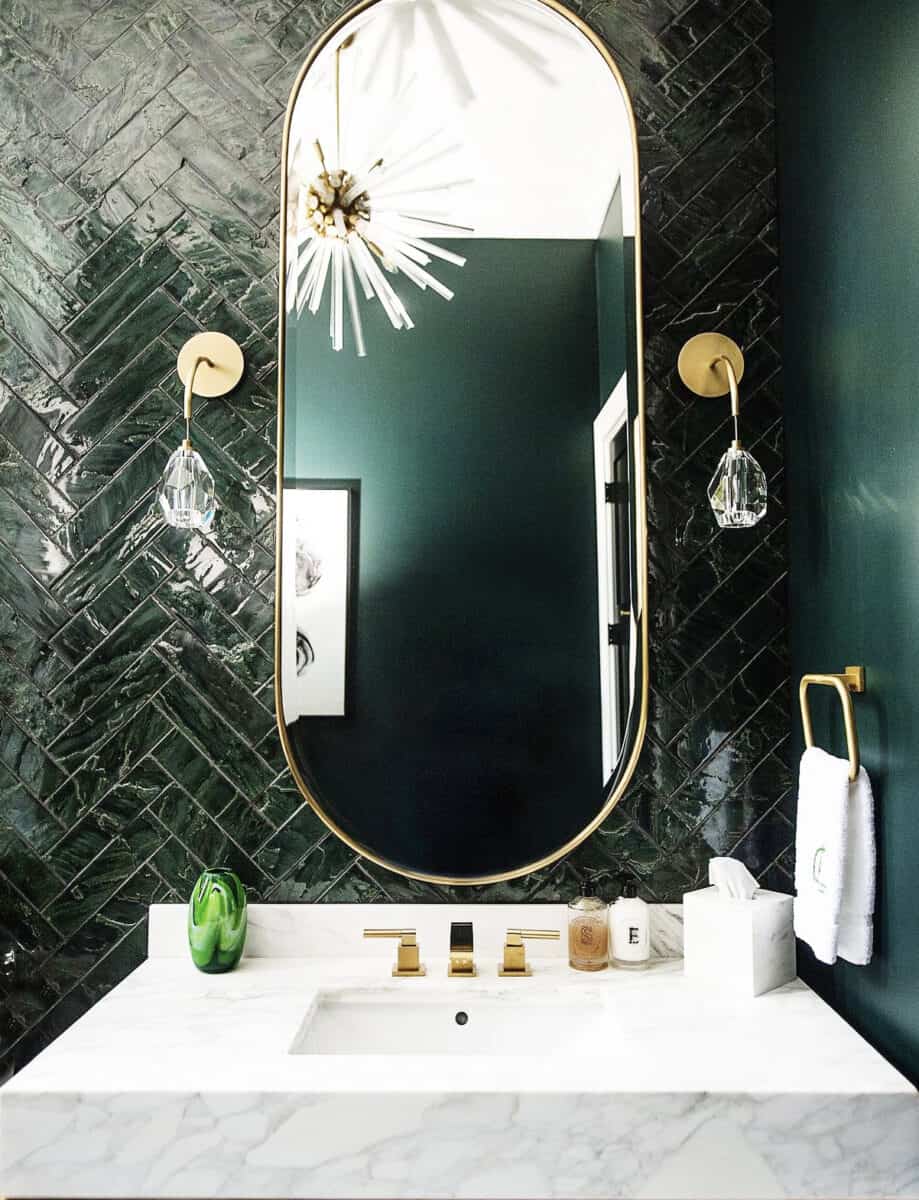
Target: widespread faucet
[{"x": 462, "y": 963}]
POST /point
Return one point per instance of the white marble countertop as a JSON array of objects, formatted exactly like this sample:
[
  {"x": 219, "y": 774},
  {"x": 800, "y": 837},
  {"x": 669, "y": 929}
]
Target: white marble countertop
[
  {"x": 168, "y": 1027},
  {"x": 182, "y": 1084}
]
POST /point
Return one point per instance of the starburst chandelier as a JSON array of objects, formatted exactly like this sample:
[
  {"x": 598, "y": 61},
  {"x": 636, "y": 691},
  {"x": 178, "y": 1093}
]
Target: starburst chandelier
[{"x": 353, "y": 231}]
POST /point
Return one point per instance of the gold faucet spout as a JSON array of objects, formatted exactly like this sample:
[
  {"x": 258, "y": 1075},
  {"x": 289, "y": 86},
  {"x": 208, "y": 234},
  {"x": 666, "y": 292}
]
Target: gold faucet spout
[{"x": 462, "y": 961}]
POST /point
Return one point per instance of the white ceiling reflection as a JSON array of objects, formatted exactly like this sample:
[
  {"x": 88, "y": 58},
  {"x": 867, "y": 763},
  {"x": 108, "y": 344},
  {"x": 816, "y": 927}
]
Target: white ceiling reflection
[{"x": 528, "y": 130}]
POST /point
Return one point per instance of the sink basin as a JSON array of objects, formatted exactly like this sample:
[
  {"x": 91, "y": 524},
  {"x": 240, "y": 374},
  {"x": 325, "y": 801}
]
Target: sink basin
[{"x": 356, "y": 1021}]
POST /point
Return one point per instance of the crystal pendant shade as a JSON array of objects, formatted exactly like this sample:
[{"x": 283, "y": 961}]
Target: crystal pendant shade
[
  {"x": 737, "y": 492},
  {"x": 186, "y": 493}
]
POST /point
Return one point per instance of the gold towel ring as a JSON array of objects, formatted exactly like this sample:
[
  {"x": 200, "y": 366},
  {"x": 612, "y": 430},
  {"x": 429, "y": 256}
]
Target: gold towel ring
[{"x": 851, "y": 680}]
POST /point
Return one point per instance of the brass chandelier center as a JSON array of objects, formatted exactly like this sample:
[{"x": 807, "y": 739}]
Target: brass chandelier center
[{"x": 336, "y": 204}]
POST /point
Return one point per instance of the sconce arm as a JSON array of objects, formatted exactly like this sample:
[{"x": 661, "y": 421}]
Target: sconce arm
[
  {"x": 189, "y": 392},
  {"x": 735, "y": 394}
]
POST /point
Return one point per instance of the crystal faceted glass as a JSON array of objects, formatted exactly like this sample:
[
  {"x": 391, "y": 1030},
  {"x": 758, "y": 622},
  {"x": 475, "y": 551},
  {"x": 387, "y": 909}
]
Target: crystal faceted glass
[
  {"x": 217, "y": 921},
  {"x": 186, "y": 493},
  {"x": 737, "y": 492}
]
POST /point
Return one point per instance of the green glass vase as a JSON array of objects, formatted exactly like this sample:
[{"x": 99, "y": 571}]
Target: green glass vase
[{"x": 217, "y": 921}]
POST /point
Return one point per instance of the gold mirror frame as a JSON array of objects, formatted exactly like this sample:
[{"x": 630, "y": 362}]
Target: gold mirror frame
[{"x": 641, "y": 527}]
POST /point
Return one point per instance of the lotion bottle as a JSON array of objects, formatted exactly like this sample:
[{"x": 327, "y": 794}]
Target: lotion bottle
[{"x": 630, "y": 919}]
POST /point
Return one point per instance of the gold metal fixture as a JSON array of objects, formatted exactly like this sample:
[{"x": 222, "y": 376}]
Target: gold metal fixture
[
  {"x": 210, "y": 364},
  {"x": 702, "y": 364},
  {"x": 462, "y": 963},
  {"x": 851, "y": 680},
  {"x": 407, "y": 962},
  {"x": 711, "y": 364},
  {"x": 515, "y": 962},
  {"x": 640, "y": 459}
]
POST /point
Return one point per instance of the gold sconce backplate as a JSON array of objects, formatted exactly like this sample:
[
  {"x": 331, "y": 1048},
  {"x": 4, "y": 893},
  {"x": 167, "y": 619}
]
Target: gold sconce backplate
[
  {"x": 700, "y": 367},
  {"x": 221, "y": 369}
]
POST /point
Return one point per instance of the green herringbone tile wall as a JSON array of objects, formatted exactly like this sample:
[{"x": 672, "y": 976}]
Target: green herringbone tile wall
[{"x": 139, "y": 161}]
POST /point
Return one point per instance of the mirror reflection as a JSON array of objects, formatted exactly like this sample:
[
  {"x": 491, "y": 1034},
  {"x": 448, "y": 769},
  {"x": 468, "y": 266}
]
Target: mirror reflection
[{"x": 460, "y": 639}]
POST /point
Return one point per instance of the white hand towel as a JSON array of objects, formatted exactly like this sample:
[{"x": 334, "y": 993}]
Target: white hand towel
[{"x": 835, "y": 859}]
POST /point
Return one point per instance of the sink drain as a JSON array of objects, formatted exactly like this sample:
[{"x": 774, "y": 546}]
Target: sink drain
[{"x": 461, "y": 1018}]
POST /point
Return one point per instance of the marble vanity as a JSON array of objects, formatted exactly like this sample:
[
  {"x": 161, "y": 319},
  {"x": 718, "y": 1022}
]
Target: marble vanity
[{"x": 639, "y": 1084}]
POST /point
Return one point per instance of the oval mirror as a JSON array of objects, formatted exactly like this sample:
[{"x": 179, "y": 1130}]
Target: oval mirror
[{"x": 461, "y": 640}]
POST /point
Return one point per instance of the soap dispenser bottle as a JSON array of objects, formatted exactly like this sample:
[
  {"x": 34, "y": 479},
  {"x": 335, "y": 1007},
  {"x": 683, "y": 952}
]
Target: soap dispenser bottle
[
  {"x": 588, "y": 930},
  {"x": 631, "y": 927}
]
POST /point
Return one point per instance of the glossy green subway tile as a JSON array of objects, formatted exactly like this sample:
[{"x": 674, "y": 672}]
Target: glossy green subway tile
[
  {"x": 240, "y": 237},
  {"x": 27, "y": 936},
  {"x": 27, "y": 760},
  {"x": 201, "y": 724},
  {"x": 91, "y": 893},
  {"x": 196, "y": 774},
  {"x": 129, "y": 589},
  {"x": 19, "y": 267},
  {"x": 105, "y": 362},
  {"x": 41, "y": 500},
  {"x": 122, "y": 298},
  {"x": 49, "y": 44},
  {"x": 250, "y": 829},
  {"x": 236, "y": 86},
  {"x": 77, "y": 637},
  {"x": 23, "y": 538},
  {"x": 197, "y": 146},
  {"x": 179, "y": 815},
  {"x": 117, "y": 498},
  {"x": 240, "y": 140},
  {"x": 178, "y": 867},
  {"x": 122, "y": 651},
  {"x": 193, "y": 243},
  {"x": 22, "y": 812},
  {"x": 22, "y": 646},
  {"x": 36, "y": 232},
  {"x": 112, "y": 451},
  {"x": 118, "y": 83},
  {"x": 231, "y": 30},
  {"x": 131, "y": 142},
  {"x": 128, "y": 700},
  {"x": 107, "y": 764},
  {"x": 150, "y": 172},
  {"x": 155, "y": 364},
  {"x": 28, "y": 705},
  {"x": 57, "y": 100},
  {"x": 213, "y": 675},
  {"x": 182, "y": 597},
  {"x": 280, "y": 801}
]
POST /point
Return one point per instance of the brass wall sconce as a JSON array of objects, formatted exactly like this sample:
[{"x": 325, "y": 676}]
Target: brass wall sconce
[
  {"x": 711, "y": 364},
  {"x": 210, "y": 364}
]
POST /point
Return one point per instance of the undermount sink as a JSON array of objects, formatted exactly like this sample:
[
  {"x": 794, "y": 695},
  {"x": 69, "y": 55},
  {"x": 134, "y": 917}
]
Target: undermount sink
[{"x": 449, "y": 1021}]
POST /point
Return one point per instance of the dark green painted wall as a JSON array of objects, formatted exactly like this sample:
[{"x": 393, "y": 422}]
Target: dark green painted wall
[
  {"x": 613, "y": 298},
  {"x": 472, "y": 740},
  {"x": 848, "y": 92}
]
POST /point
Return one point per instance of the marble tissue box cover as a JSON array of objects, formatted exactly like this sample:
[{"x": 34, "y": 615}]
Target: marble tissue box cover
[{"x": 747, "y": 946}]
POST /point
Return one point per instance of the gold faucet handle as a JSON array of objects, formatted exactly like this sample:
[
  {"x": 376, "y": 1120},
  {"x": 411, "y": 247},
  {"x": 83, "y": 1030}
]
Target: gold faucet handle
[
  {"x": 515, "y": 963},
  {"x": 407, "y": 960}
]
